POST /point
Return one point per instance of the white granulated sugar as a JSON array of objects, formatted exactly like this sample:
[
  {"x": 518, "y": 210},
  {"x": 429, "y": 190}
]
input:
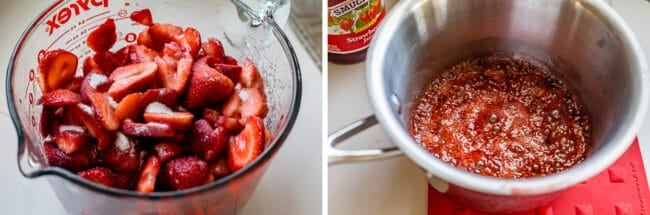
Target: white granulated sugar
[
  {"x": 86, "y": 109},
  {"x": 122, "y": 142},
  {"x": 243, "y": 95},
  {"x": 96, "y": 79},
  {"x": 63, "y": 128},
  {"x": 157, "y": 107},
  {"x": 140, "y": 130},
  {"x": 112, "y": 102}
]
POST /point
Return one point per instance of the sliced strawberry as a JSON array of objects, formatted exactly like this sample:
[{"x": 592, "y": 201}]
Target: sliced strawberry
[
  {"x": 232, "y": 105},
  {"x": 231, "y": 125},
  {"x": 220, "y": 169},
  {"x": 164, "y": 32},
  {"x": 185, "y": 172},
  {"x": 253, "y": 103},
  {"x": 147, "y": 182},
  {"x": 151, "y": 130},
  {"x": 250, "y": 76},
  {"x": 190, "y": 40},
  {"x": 121, "y": 56},
  {"x": 56, "y": 69},
  {"x": 59, "y": 98},
  {"x": 131, "y": 78},
  {"x": 165, "y": 151},
  {"x": 70, "y": 141},
  {"x": 213, "y": 48},
  {"x": 87, "y": 116},
  {"x": 207, "y": 86},
  {"x": 142, "y": 17},
  {"x": 94, "y": 82},
  {"x": 105, "y": 61},
  {"x": 90, "y": 65},
  {"x": 144, "y": 38},
  {"x": 166, "y": 96},
  {"x": 73, "y": 162},
  {"x": 175, "y": 74},
  {"x": 247, "y": 145},
  {"x": 99, "y": 175},
  {"x": 126, "y": 180},
  {"x": 232, "y": 71},
  {"x": 230, "y": 60},
  {"x": 123, "y": 154},
  {"x": 176, "y": 120},
  {"x": 211, "y": 115},
  {"x": 104, "y": 111},
  {"x": 141, "y": 54},
  {"x": 130, "y": 107},
  {"x": 75, "y": 85},
  {"x": 103, "y": 37},
  {"x": 207, "y": 142}
]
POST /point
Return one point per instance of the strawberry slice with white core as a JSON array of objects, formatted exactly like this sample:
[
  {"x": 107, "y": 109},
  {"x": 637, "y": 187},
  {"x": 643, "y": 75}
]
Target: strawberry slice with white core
[
  {"x": 175, "y": 74},
  {"x": 150, "y": 170},
  {"x": 247, "y": 145},
  {"x": 104, "y": 111},
  {"x": 70, "y": 141},
  {"x": 56, "y": 69},
  {"x": 253, "y": 103},
  {"x": 250, "y": 76},
  {"x": 87, "y": 116},
  {"x": 131, "y": 78},
  {"x": 176, "y": 120},
  {"x": 158, "y": 112},
  {"x": 151, "y": 129}
]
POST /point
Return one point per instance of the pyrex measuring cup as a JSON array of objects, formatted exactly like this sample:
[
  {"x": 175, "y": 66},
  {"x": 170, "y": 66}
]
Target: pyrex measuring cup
[{"x": 66, "y": 24}]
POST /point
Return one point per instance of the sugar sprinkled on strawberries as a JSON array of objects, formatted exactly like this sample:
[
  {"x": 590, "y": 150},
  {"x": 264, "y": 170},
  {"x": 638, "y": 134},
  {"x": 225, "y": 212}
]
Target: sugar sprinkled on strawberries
[
  {"x": 140, "y": 104},
  {"x": 63, "y": 128},
  {"x": 96, "y": 80},
  {"x": 122, "y": 142},
  {"x": 157, "y": 107}
]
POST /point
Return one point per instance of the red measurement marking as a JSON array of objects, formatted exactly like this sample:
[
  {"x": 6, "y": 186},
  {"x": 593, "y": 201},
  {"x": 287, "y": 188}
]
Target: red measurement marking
[
  {"x": 121, "y": 18},
  {"x": 95, "y": 16},
  {"x": 58, "y": 38},
  {"x": 33, "y": 121},
  {"x": 130, "y": 37},
  {"x": 122, "y": 13},
  {"x": 31, "y": 74},
  {"x": 31, "y": 98}
]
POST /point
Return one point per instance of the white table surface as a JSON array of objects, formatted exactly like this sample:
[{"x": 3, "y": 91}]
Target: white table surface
[
  {"x": 281, "y": 190},
  {"x": 396, "y": 186}
]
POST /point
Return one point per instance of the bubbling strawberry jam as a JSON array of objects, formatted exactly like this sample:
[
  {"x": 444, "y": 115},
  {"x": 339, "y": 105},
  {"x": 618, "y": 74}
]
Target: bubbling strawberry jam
[{"x": 499, "y": 116}]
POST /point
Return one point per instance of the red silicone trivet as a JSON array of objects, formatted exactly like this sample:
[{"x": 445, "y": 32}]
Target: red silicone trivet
[{"x": 622, "y": 189}]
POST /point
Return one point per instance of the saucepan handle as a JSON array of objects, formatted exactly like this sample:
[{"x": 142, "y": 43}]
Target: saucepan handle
[{"x": 338, "y": 156}]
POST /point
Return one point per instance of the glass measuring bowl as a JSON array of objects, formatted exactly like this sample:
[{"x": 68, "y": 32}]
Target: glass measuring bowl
[{"x": 66, "y": 24}]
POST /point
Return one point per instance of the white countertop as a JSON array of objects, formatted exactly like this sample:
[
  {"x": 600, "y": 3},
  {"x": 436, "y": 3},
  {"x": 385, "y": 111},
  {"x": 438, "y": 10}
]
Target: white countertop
[
  {"x": 397, "y": 186},
  {"x": 281, "y": 190}
]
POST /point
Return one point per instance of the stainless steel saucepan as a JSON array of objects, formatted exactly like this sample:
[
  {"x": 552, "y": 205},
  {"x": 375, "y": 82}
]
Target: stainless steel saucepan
[{"x": 586, "y": 40}]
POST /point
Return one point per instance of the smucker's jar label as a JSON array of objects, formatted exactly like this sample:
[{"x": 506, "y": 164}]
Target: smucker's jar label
[{"x": 351, "y": 24}]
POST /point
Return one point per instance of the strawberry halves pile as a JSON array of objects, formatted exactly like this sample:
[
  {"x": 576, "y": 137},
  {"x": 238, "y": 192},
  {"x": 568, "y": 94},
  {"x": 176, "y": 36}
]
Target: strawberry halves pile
[{"x": 168, "y": 113}]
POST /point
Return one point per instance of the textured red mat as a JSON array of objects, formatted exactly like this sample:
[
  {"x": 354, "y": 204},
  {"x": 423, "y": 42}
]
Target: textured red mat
[{"x": 622, "y": 189}]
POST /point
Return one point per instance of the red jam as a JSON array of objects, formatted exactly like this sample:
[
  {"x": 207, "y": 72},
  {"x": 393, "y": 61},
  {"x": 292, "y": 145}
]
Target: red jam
[{"x": 501, "y": 116}]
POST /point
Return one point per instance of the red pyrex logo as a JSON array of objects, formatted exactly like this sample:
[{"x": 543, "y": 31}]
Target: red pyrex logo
[{"x": 64, "y": 15}]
